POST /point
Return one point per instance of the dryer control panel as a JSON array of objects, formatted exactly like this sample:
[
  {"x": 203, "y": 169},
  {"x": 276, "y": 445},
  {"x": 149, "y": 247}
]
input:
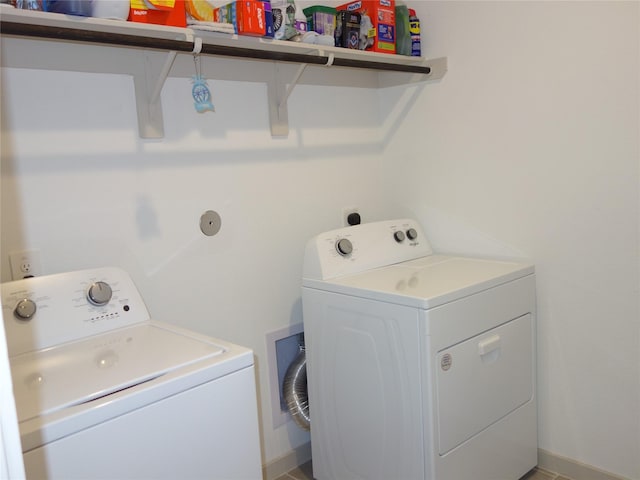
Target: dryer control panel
[
  {"x": 40, "y": 312},
  {"x": 363, "y": 247}
]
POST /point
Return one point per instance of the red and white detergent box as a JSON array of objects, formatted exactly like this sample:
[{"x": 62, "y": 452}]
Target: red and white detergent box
[
  {"x": 378, "y": 17},
  {"x": 254, "y": 17},
  {"x": 159, "y": 12},
  {"x": 249, "y": 17}
]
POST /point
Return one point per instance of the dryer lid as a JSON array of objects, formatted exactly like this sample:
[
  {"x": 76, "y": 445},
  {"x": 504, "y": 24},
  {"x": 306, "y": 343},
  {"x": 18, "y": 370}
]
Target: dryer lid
[
  {"x": 70, "y": 374},
  {"x": 426, "y": 282}
]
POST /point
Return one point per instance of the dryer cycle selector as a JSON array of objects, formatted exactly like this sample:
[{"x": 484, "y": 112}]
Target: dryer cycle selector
[
  {"x": 344, "y": 246},
  {"x": 25, "y": 309},
  {"x": 398, "y": 236},
  {"x": 99, "y": 293},
  {"x": 412, "y": 234}
]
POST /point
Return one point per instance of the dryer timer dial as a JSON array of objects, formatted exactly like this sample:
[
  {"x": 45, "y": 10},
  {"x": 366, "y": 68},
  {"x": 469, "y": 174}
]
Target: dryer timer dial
[{"x": 344, "y": 246}]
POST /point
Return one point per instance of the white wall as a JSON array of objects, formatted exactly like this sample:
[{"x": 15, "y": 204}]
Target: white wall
[
  {"x": 529, "y": 147},
  {"x": 80, "y": 186}
]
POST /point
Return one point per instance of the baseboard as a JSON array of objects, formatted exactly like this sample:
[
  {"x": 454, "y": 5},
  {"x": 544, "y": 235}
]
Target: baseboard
[
  {"x": 546, "y": 461},
  {"x": 286, "y": 462},
  {"x": 571, "y": 468}
]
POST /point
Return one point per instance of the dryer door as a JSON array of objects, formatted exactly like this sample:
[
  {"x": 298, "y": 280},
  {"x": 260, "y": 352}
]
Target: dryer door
[
  {"x": 483, "y": 379},
  {"x": 364, "y": 397}
]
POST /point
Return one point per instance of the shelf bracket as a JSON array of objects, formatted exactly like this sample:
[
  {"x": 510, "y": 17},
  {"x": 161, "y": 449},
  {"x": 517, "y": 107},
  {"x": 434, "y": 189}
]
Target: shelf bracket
[
  {"x": 283, "y": 101},
  {"x": 279, "y": 93},
  {"x": 162, "y": 76},
  {"x": 148, "y": 80}
]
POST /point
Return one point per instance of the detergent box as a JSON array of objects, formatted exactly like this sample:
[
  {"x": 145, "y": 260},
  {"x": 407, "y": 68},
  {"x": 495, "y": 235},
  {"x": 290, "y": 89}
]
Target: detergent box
[
  {"x": 254, "y": 18},
  {"x": 159, "y": 12},
  {"x": 377, "y": 23},
  {"x": 249, "y": 17},
  {"x": 348, "y": 30},
  {"x": 321, "y": 19}
]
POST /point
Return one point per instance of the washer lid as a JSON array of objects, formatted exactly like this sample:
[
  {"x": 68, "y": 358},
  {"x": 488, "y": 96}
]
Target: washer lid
[
  {"x": 70, "y": 374},
  {"x": 426, "y": 282}
]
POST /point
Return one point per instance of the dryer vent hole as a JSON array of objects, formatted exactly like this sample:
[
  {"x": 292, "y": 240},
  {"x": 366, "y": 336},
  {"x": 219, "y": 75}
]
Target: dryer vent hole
[
  {"x": 287, "y": 365},
  {"x": 294, "y": 388}
]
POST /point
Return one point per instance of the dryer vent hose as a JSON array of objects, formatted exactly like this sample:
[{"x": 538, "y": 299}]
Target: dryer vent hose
[{"x": 294, "y": 390}]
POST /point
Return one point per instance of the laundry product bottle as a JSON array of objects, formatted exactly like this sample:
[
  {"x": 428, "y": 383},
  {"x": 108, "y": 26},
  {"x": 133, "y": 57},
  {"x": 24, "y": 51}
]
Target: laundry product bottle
[
  {"x": 403, "y": 35},
  {"x": 414, "y": 29},
  {"x": 80, "y": 8}
]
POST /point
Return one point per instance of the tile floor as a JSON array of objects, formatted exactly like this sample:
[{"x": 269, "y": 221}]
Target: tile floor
[{"x": 303, "y": 472}]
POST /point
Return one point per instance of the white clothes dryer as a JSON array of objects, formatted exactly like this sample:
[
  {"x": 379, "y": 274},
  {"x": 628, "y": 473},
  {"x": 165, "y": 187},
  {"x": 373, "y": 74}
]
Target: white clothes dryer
[
  {"x": 419, "y": 366},
  {"x": 103, "y": 391}
]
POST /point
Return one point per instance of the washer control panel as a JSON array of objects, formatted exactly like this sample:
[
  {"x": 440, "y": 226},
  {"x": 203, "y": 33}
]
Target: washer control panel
[
  {"x": 40, "y": 312},
  {"x": 362, "y": 247}
]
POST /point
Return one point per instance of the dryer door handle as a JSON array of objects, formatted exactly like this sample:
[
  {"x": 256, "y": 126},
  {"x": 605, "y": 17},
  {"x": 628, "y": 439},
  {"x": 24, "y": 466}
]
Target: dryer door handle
[{"x": 488, "y": 345}]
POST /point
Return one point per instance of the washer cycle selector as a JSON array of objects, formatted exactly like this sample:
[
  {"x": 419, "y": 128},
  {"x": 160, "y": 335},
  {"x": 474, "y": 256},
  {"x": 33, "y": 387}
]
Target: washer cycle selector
[
  {"x": 344, "y": 246},
  {"x": 99, "y": 293},
  {"x": 412, "y": 234},
  {"x": 25, "y": 309}
]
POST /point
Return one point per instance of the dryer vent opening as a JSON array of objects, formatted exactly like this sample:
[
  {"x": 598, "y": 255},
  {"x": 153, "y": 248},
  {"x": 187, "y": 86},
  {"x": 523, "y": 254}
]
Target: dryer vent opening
[
  {"x": 294, "y": 389},
  {"x": 283, "y": 351}
]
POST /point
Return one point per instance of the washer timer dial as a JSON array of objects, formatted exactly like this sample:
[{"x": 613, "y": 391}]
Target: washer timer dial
[
  {"x": 25, "y": 309},
  {"x": 99, "y": 293}
]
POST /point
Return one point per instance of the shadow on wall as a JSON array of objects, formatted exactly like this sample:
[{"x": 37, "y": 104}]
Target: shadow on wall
[
  {"x": 448, "y": 234},
  {"x": 10, "y": 234}
]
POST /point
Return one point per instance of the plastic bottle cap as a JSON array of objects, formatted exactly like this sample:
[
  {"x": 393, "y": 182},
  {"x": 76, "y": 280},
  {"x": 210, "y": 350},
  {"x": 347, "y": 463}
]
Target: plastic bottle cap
[{"x": 412, "y": 12}]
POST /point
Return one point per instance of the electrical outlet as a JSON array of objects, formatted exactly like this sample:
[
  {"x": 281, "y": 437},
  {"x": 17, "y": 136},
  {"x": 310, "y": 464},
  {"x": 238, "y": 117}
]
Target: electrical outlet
[
  {"x": 346, "y": 211},
  {"x": 25, "y": 264}
]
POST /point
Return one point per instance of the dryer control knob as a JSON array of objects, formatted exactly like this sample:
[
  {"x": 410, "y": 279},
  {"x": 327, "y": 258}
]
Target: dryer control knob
[
  {"x": 344, "y": 247},
  {"x": 25, "y": 309},
  {"x": 398, "y": 236},
  {"x": 412, "y": 234},
  {"x": 99, "y": 293}
]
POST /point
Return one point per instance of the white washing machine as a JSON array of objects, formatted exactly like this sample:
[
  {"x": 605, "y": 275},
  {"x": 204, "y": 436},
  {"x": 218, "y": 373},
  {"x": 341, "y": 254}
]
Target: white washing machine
[
  {"x": 419, "y": 366},
  {"x": 103, "y": 391}
]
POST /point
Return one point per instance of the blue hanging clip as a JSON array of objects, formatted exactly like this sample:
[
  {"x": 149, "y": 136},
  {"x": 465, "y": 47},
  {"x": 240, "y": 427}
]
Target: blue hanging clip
[
  {"x": 200, "y": 91},
  {"x": 201, "y": 95}
]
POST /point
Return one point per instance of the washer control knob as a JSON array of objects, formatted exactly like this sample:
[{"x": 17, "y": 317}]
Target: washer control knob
[
  {"x": 99, "y": 293},
  {"x": 344, "y": 247},
  {"x": 398, "y": 236},
  {"x": 412, "y": 234},
  {"x": 25, "y": 309}
]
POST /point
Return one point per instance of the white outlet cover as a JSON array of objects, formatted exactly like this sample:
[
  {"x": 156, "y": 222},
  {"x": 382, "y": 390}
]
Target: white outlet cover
[{"x": 25, "y": 263}]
